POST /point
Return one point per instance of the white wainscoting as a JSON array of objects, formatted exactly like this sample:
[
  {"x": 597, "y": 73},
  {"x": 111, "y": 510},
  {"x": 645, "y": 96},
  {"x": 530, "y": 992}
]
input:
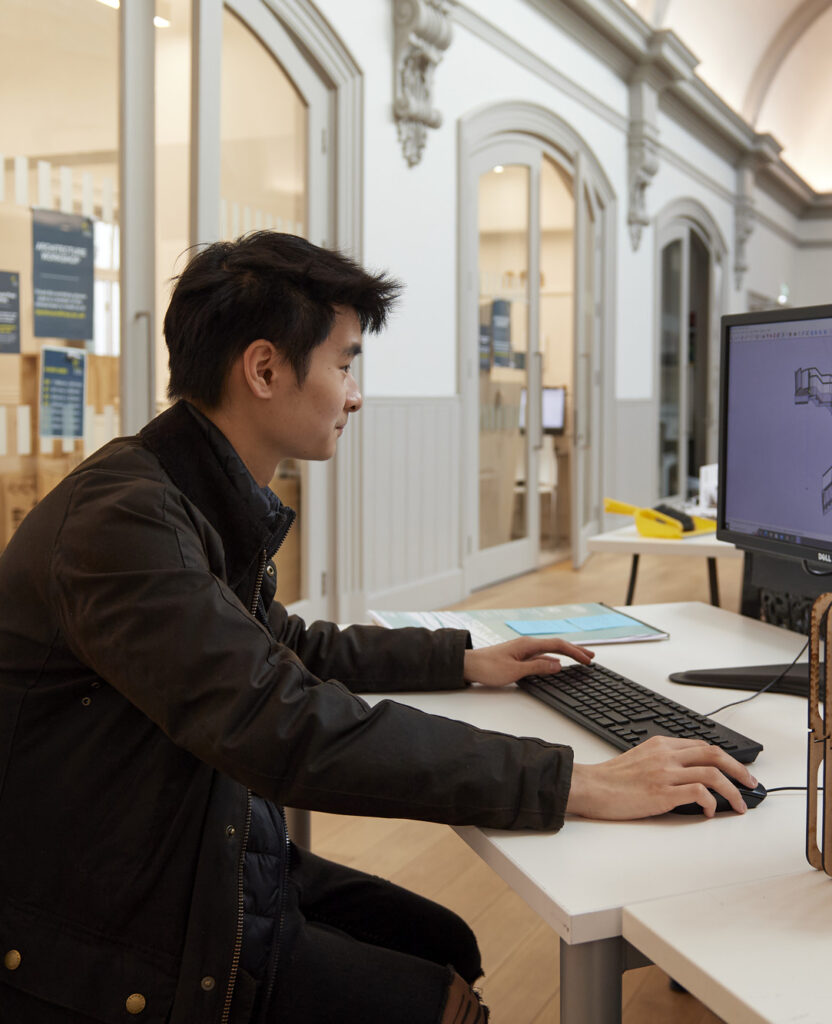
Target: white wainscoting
[{"x": 412, "y": 464}]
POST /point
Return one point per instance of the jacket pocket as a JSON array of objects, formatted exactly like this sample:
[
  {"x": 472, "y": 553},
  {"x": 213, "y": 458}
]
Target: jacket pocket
[{"x": 76, "y": 968}]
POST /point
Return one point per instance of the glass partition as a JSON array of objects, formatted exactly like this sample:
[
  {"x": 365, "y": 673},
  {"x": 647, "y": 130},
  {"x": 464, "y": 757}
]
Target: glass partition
[
  {"x": 503, "y": 348},
  {"x": 669, "y": 367},
  {"x": 264, "y": 129},
  {"x": 59, "y": 244}
]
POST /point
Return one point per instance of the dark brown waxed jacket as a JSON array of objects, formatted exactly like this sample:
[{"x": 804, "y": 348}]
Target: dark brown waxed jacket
[{"x": 141, "y": 703}]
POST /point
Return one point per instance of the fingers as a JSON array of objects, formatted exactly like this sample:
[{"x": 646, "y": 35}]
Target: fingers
[
  {"x": 533, "y": 648},
  {"x": 698, "y": 752}
]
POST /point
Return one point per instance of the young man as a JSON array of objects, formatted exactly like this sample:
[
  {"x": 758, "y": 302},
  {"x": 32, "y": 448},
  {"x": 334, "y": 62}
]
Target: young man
[{"x": 157, "y": 706}]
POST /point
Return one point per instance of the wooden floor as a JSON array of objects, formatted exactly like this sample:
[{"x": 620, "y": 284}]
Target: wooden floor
[{"x": 520, "y": 952}]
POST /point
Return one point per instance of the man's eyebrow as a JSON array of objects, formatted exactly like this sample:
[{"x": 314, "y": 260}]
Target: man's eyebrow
[{"x": 351, "y": 350}]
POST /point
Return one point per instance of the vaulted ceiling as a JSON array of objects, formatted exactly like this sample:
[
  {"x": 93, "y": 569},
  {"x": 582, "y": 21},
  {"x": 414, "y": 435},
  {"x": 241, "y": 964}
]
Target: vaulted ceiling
[{"x": 771, "y": 61}]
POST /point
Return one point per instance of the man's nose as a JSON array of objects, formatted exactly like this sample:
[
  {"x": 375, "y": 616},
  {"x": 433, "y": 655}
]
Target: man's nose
[{"x": 354, "y": 399}]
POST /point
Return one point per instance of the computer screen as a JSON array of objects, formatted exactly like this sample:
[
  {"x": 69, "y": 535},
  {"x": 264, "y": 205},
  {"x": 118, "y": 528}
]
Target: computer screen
[
  {"x": 553, "y": 409},
  {"x": 775, "y": 465},
  {"x": 775, "y": 460}
]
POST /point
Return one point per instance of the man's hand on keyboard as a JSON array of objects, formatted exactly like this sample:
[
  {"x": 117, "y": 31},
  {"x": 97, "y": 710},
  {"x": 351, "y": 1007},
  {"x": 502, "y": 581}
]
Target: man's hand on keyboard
[
  {"x": 505, "y": 663},
  {"x": 655, "y": 777}
]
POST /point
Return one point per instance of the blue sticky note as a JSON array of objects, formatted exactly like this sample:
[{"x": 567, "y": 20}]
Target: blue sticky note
[
  {"x": 590, "y": 623},
  {"x": 535, "y": 627}
]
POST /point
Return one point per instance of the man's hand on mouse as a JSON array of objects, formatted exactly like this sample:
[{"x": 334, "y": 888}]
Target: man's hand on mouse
[
  {"x": 656, "y": 776},
  {"x": 505, "y": 663}
]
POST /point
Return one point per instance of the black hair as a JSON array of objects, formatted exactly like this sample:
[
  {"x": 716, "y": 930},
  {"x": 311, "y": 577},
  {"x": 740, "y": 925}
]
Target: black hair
[{"x": 263, "y": 285}]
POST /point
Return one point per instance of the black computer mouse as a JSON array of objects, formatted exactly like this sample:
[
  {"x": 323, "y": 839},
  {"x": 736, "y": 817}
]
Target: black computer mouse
[{"x": 752, "y": 797}]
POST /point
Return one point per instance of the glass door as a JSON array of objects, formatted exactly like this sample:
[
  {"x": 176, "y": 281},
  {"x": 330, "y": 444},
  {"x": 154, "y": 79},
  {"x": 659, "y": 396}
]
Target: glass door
[
  {"x": 684, "y": 369},
  {"x": 274, "y": 175},
  {"x": 503, "y": 379}
]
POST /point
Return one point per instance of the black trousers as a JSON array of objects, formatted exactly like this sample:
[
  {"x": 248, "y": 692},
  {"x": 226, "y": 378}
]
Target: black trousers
[{"x": 356, "y": 949}]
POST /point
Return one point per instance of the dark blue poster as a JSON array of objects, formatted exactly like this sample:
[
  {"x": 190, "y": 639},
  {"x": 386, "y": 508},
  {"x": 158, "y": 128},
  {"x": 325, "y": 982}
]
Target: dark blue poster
[
  {"x": 62, "y": 386},
  {"x": 9, "y": 312},
  {"x": 62, "y": 275},
  {"x": 501, "y": 331}
]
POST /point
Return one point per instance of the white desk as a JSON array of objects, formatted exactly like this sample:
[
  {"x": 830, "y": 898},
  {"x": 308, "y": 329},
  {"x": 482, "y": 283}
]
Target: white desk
[
  {"x": 580, "y": 879},
  {"x": 755, "y": 954},
  {"x": 628, "y": 541}
]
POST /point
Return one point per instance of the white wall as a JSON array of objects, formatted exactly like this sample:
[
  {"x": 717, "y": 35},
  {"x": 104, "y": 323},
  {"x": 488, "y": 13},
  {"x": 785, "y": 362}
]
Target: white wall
[
  {"x": 505, "y": 50},
  {"x": 410, "y": 213}
]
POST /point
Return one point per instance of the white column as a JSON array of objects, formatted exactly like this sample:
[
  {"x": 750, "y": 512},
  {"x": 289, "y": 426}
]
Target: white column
[
  {"x": 206, "y": 62},
  {"x": 137, "y": 215}
]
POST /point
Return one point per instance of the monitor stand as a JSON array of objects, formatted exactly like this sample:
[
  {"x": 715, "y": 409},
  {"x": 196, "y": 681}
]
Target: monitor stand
[{"x": 751, "y": 677}]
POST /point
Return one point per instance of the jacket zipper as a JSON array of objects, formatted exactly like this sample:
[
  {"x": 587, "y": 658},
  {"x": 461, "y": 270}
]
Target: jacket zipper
[
  {"x": 259, "y": 584},
  {"x": 238, "y": 940},
  {"x": 281, "y": 917}
]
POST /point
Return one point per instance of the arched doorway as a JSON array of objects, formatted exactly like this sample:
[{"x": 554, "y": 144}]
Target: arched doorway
[
  {"x": 534, "y": 315},
  {"x": 690, "y": 261}
]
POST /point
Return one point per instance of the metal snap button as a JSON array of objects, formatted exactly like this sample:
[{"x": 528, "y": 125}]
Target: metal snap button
[
  {"x": 270, "y": 569},
  {"x": 86, "y": 701},
  {"x": 135, "y": 1003},
  {"x": 230, "y": 831},
  {"x": 207, "y": 983},
  {"x": 11, "y": 961}
]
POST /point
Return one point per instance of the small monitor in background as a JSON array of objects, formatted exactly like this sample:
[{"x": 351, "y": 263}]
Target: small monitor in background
[{"x": 553, "y": 410}]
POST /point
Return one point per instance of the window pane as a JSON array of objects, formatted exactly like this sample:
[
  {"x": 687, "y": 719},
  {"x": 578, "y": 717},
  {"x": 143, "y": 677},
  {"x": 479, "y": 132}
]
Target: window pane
[
  {"x": 670, "y": 344},
  {"x": 503, "y": 346},
  {"x": 264, "y": 127},
  {"x": 557, "y": 342},
  {"x": 59, "y": 91}
]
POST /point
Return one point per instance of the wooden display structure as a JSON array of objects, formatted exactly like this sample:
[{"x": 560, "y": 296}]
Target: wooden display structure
[{"x": 820, "y": 741}]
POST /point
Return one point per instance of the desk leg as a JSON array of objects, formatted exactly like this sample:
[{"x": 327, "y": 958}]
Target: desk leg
[
  {"x": 631, "y": 586},
  {"x": 712, "y": 580},
  {"x": 590, "y": 979}
]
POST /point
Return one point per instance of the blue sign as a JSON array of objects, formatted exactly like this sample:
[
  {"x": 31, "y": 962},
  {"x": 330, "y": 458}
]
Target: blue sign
[
  {"x": 62, "y": 392},
  {"x": 501, "y": 331},
  {"x": 62, "y": 275},
  {"x": 9, "y": 312}
]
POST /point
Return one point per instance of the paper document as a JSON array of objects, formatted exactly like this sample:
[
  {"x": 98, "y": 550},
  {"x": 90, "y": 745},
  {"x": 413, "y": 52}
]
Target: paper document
[{"x": 587, "y": 624}]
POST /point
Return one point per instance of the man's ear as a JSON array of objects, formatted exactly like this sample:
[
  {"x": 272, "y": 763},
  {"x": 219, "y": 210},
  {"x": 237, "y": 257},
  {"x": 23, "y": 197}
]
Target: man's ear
[{"x": 258, "y": 364}]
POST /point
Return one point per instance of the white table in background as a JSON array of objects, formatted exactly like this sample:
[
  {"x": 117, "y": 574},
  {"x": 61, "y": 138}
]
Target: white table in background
[
  {"x": 626, "y": 540},
  {"x": 580, "y": 880},
  {"x": 757, "y": 953}
]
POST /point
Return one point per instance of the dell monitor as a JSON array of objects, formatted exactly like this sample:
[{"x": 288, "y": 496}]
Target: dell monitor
[
  {"x": 775, "y": 458},
  {"x": 553, "y": 409}
]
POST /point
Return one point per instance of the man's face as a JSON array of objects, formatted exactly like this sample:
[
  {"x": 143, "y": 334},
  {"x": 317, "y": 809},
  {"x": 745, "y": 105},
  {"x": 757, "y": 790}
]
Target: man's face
[{"x": 309, "y": 418}]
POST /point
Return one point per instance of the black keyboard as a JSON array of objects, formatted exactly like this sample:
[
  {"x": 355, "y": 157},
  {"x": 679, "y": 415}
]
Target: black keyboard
[{"x": 625, "y": 713}]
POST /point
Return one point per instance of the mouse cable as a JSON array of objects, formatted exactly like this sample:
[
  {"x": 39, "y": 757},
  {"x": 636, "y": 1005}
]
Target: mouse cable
[{"x": 763, "y": 689}]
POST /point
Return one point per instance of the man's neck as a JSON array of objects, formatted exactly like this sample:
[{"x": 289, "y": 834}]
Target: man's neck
[{"x": 240, "y": 433}]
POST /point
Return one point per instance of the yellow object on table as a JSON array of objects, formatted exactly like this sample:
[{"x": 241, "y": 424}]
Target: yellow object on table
[{"x": 652, "y": 523}]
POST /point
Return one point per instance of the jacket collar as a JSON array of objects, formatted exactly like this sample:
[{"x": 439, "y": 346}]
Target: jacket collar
[{"x": 202, "y": 463}]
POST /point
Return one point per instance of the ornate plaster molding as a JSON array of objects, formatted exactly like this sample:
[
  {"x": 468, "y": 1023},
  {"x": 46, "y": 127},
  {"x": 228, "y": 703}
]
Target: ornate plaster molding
[
  {"x": 766, "y": 150},
  {"x": 666, "y": 62},
  {"x": 422, "y": 33},
  {"x": 643, "y": 162},
  {"x": 744, "y": 223}
]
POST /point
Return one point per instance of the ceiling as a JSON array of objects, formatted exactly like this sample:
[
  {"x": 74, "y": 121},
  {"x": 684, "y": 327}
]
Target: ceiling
[{"x": 770, "y": 61}]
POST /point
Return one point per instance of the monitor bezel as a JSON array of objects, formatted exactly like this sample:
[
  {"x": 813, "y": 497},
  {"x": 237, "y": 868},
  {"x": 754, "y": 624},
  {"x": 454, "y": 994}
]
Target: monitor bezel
[{"x": 817, "y": 556}]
